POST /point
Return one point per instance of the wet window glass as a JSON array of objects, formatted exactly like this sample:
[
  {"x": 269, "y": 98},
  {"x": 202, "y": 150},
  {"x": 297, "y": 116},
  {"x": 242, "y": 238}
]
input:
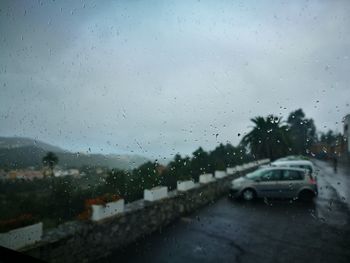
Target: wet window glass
[
  {"x": 175, "y": 131},
  {"x": 273, "y": 175},
  {"x": 292, "y": 175},
  {"x": 255, "y": 175}
]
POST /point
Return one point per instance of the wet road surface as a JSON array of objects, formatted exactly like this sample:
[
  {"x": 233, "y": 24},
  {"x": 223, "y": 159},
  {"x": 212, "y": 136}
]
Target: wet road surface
[{"x": 262, "y": 231}]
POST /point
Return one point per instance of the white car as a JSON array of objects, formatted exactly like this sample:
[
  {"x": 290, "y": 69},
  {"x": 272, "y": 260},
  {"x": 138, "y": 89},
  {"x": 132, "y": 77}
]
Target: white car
[{"x": 304, "y": 164}]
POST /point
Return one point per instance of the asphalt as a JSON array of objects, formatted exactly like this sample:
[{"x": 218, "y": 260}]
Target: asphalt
[{"x": 262, "y": 231}]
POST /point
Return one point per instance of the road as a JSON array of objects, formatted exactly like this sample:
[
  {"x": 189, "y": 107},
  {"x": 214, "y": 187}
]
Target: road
[{"x": 263, "y": 231}]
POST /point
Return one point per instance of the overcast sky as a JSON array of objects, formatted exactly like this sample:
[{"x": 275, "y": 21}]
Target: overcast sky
[{"x": 160, "y": 77}]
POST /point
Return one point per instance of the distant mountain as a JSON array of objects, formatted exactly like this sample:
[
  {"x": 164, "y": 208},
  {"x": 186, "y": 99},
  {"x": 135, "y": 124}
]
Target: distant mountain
[
  {"x": 17, "y": 152},
  {"x": 18, "y": 142}
]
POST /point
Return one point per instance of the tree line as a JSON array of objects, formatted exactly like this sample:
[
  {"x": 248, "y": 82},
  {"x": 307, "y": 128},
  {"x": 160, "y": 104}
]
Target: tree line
[
  {"x": 65, "y": 196},
  {"x": 270, "y": 137}
]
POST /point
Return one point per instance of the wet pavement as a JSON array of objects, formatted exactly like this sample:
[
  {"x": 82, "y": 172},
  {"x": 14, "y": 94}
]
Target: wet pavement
[{"x": 262, "y": 231}]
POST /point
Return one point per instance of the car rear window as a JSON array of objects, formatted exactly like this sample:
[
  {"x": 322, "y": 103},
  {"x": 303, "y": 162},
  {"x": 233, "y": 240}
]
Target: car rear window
[
  {"x": 307, "y": 167},
  {"x": 292, "y": 175}
]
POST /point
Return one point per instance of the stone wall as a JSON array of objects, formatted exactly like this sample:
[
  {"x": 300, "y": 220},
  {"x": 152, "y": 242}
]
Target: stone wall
[{"x": 80, "y": 241}]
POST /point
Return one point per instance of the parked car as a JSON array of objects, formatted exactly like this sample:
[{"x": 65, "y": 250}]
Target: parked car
[
  {"x": 275, "y": 182},
  {"x": 293, "y": 158},
  {"x": 304, "y": 164}
]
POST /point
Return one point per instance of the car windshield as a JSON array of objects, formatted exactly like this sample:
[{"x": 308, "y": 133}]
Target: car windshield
[{"x": 255, "y": 175}]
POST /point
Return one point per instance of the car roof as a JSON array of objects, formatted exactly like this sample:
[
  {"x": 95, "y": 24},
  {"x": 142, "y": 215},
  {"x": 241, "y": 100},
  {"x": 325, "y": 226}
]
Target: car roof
[
  {"x": 283, "y": 168},
  {"x": 293, "y": 158},
  {"x": 291, "y": 162}
]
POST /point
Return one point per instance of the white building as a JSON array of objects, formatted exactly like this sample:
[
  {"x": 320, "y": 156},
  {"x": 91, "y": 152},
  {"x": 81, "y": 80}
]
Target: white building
[
  {"x": 73, "y": 172},
  {"x": 70, "y": 172},
  {"x": 58, "y": 173}
]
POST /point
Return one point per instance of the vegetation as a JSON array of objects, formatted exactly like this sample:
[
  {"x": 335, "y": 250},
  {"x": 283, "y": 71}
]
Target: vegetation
[
  {"x": 66, "y": 197},
  {"x": 331, "y": 138},
  {"x": 302, "y": 132},
  {"x": 50, "y": 160},
  {"x": 269, "y": 138}
]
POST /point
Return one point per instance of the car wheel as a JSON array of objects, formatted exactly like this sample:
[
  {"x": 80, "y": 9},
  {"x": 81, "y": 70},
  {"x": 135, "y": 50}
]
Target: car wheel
[
  {"x": 306, "y": 195},
  {"x": 248, "y": 195}
]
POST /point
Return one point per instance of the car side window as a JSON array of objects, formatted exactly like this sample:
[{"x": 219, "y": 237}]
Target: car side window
[
  {"x": 307, "y": 167},
  {"x": 289, "y": 175},
  {"x": 272, "y": 175}
]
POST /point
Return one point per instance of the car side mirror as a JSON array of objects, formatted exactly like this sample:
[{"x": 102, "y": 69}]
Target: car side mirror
[{"x": 257, "y": 180}]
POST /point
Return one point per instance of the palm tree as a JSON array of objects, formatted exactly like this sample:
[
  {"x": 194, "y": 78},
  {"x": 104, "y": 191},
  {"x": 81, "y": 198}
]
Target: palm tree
[
  {"x": 269, "y": 138},
  {"x": 50, "y": 160}
]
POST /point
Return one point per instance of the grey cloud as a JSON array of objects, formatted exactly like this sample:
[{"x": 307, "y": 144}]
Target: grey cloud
[{"x": 127, "y": 77}]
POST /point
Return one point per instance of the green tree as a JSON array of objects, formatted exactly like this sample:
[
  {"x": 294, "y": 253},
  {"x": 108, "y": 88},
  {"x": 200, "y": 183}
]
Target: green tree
[
  {"x": 268, "y": 138},
  {"x": 146, "y": 176},
  {"x": 118, "y": 182},
  {"x": 224, "y": 156},
  {"x": 218, "y": 158},
  {"x": 331, "y": 138},
  {"x": 302, "y": 132},
  {"x": 50, "y": 160},
  {"x": 177, "y": 170},
  {"x": 200, "y": 163},
  {"x": 59, "y": 203},
  {"x": 180, "y": 167}
]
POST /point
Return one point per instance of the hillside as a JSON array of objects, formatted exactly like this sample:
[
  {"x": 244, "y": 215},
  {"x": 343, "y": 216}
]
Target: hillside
[
  {"x": 19, "y": 142},
  {"x": 16, "y": 152}
]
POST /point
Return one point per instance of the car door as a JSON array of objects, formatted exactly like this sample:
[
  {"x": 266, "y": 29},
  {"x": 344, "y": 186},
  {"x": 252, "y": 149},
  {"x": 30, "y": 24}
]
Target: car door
[
  {"x": 266, "y": 186},
  {"x": 290, "y": 183}
]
